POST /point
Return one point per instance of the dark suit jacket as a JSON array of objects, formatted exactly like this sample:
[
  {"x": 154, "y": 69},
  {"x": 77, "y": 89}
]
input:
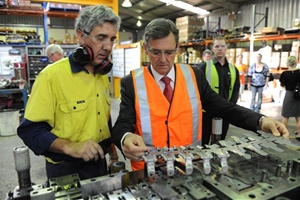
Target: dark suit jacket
[{"x": 211, "y": 102}]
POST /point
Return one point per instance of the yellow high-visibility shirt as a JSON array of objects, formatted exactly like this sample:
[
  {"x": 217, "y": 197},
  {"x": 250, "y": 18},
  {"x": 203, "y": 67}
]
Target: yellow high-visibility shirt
[{"x": 75, "y": 105}]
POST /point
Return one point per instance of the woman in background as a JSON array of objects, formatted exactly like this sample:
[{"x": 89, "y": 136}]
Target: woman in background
[
  {"x": 258, "y": 78},
  {"x": 290, "y": 106}
]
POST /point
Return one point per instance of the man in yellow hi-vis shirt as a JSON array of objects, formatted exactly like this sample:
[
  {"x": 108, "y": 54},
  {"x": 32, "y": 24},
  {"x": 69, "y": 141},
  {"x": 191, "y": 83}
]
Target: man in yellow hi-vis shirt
[{"x": 67, "y": 118}]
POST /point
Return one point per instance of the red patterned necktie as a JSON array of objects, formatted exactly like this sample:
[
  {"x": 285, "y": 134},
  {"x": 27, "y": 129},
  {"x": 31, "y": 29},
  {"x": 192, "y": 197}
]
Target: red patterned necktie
[{"x": 168, "y": 91}]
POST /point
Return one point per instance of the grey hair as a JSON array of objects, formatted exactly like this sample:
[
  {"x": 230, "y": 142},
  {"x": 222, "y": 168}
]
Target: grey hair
[
  {"x": 160, "y": 28},
  {"x": 91, "y": 16},
  {"x": 53, "y": 48},
  {"x": 207, "y": 51},
  {"x": 292, "y": 61}
]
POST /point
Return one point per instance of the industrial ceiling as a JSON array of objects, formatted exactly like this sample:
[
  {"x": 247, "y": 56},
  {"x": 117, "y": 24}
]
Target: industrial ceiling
[{"x": 148, "y": 10}]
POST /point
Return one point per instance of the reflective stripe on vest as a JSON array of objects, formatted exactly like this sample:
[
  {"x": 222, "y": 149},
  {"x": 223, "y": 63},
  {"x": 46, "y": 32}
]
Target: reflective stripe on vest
[
  {"x": 194, "y": 102},
  {"x": 143, "y": 99},
  {"x": 213, "y": 77}
]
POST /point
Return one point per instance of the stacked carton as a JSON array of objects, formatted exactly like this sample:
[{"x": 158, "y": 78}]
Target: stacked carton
[
  {"x": 24, "y": 4},
  {"x": 295, "y": 49},
  {"x": 275, "y": 60},
  {"x": 188, "y": 27},
  {"x": 283, "y": 59},
  {"x": 230, "y": 55},
  {"x": 194, "y": 56}
]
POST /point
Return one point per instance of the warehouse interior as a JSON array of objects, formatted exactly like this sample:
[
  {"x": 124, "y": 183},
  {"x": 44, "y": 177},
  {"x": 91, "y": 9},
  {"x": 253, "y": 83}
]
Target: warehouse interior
[{"x": 271, "y": 27}]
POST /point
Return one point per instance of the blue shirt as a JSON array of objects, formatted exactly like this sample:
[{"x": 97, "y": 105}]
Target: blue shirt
[{"x": 258, "y": 78}]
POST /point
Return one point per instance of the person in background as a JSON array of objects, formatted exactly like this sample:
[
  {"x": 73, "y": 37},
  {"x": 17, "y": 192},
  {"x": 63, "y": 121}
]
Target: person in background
[
  {"x": 223, "y": 78},
  {"x": 54, "y": 52},
  {"x": 290, "y": 105},
  {"x": 67, "y": 118},
  {"x": 243, "y": 72},
  {"x": 206, "y": 55},
  {"x": 258, "y": 78},
  {"x": 298, "y": 65},
  {"x": 161, "y": 104}
]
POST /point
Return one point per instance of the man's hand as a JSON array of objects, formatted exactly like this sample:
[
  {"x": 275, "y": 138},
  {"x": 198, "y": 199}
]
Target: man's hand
[
  {"x": 87, "y": 150},
  {"x": 275, "y": 127},
  {"x": 134, "y": 147}
]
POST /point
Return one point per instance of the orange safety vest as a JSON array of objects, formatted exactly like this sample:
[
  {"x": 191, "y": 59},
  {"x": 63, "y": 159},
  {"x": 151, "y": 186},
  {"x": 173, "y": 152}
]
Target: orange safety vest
[{"x": 164, "y": 124}]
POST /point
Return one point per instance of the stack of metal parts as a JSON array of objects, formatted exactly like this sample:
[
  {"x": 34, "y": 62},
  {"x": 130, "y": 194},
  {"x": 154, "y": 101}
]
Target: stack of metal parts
[{"x": 263, "y": 167}]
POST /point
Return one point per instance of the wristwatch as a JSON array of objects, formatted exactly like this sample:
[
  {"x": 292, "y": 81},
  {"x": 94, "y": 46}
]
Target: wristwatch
[{"x": 260, "y": 121}]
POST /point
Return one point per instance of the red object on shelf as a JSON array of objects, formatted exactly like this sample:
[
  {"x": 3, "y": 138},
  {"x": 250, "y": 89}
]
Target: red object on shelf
[{"x": 23, "y": 70}]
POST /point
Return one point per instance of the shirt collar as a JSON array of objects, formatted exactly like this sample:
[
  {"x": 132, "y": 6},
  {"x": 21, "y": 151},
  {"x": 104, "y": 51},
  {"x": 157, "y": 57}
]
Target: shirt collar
[
  {"x": 216, "y": 61},
  {"x": 76, "y": 67},
  {"x": 158, "y": 76}
]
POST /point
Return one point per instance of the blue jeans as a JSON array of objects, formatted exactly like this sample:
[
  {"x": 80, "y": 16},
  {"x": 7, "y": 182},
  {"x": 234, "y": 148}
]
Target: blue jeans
[{"x": 259, "y": 91}]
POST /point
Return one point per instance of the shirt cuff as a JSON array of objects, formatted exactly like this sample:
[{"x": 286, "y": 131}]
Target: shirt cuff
[{"x": 122, "y": 139}]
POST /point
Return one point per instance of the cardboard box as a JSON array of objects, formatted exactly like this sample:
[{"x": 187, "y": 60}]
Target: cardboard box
[
  {"x": 271, "y": 29},
  {"x": 284, "y": 55},
  {"x": 188, "y": 27},
  {"x": 246, "y": 58},
  {"x": 275, "y": 60},
  {"x": 296, "y": 22},
  {"x": 189, "y": 20}
]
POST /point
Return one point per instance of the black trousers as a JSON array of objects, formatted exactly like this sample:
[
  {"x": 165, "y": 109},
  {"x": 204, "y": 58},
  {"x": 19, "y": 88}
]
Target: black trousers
[
  {"x": 85, "y": 170},
  {"x": 207, "y": 128}
]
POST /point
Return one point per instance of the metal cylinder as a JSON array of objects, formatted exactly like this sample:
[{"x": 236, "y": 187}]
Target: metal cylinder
[
  {"x": 216, "y": 130},
  {"x": 289, "y": 167},
  {"x": 278, "y": 170},
  {"x": 117, "y": 167},
  {"x": 22, "y": 166},
  {"x": 263, "y": 175}
]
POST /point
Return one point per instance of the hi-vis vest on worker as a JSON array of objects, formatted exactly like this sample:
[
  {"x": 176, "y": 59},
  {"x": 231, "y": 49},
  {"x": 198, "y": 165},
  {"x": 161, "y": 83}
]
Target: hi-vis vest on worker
[
  {"x": 213, "y": 77},
  {"x": 164, "y": 124}
]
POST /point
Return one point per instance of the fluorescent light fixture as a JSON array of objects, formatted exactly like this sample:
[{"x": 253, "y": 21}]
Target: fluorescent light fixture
[
  {"x": 139, "y": 23},
  {"x": 181, "y": 4},
  {"x": 186, "y": 6},
  {"x": 126, "y": 3}
]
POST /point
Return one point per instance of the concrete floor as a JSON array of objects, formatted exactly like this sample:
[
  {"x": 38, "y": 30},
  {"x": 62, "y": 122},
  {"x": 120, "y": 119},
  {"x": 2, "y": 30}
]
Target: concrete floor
[{"x": 8, "y": 174}]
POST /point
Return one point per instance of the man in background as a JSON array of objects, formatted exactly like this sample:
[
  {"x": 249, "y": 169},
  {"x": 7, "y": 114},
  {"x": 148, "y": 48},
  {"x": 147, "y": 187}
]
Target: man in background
[
  {"x": 206, "y": 55},
  {"x": 223, "y": 78},
  {"x": 54, "y": 52}
]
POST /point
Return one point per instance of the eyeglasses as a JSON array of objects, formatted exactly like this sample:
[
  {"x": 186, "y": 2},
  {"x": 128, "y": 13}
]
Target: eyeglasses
[
  {"x": 158, "y": 53},
  {"x": 219, "y": 46},
  {"x": 100, "y": 39}
]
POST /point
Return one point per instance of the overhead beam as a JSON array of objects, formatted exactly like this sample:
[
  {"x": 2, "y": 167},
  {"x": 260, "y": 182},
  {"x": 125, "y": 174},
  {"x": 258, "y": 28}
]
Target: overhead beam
[
  {"x": 136, "y": 14},
  {"x": 224, "y": 4}
]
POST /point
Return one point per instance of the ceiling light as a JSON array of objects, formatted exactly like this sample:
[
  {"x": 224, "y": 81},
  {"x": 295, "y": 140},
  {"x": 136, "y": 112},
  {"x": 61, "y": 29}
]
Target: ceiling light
[
  {"x": 139, "y": 23},
  {"x": 186, "y": 6},
  {"x": 126, "y": 3}
]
